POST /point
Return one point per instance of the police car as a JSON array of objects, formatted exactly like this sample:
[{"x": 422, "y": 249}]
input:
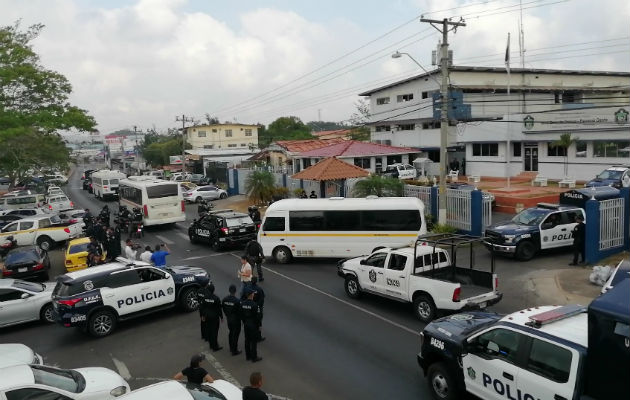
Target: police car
[
  {"x": 95, "y": 299},
  {"x": 549, "y": 352},
  {"x": 617, "y": 176},
  {"x": 222, "y": 228},
  {"x": 545, "y": 226}
]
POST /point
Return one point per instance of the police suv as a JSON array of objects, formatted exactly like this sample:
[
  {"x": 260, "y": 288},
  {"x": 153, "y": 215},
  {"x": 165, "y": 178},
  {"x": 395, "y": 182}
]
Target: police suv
[
  {"x": 542, "y": 227},
  {"x": 95, "y": 299},
  {"x": 222, "y": 228},
  {"x": 541, "y": 353}
]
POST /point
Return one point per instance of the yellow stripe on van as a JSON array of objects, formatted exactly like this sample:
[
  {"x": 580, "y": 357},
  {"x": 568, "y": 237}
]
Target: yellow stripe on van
[{"x": 342, "y": 234}]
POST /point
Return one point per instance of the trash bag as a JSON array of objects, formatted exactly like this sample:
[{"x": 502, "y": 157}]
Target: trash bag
[{"x": 600, "y": 274}]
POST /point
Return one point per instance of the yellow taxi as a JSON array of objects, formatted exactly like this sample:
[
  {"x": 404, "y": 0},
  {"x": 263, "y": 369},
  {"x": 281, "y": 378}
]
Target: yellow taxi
[{"x": 76, "y": 254}]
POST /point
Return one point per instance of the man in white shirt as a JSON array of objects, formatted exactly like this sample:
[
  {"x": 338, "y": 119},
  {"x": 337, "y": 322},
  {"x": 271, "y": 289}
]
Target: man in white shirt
[
  {"x": 130, "y": 253},
  {"x": 146, "y": 255}
]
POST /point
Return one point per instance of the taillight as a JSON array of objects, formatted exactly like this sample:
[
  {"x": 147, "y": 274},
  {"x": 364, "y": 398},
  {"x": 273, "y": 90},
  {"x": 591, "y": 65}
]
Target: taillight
[
  {"x": 145, "y": 208},
  {"x": 71, "y": 205},
  {"x": 38, "y": 267},
  {"x": 72, "y": 221},
  {"x": 68, "y": 262},
  {"x": 67, "y": 230},
  {"x": 69, "y": 303},
  {"x": 6, "y": 272},
  {"x": 456, "y": 293},
  {"x": 183, "y": 206},
  {"x": 49, "y": 207},
  {"x": 104, "y": 187},
  {"x": 496, "y": 282},
  {"x": 225, "y": 230},
  {"x": 257, "y": 226}
]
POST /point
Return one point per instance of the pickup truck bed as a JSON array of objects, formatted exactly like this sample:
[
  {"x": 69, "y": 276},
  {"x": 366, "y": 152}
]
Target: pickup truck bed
[{"x": 473, "y": 282}]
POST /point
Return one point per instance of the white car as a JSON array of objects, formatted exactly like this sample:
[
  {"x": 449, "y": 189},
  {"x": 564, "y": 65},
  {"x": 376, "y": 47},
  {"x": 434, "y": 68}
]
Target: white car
[
  {"x": 208, "y": 192},
  {"x": 18, "y": 354},
  {"x": 58, "y": 203},
  {"x": 25, "y": 212},
  {"x": 23, "y": 301},
  {"x": 44, "y": 382},
  {"x": 169, "y": 390},
  {"x": 53, "y": 190},
  {"x": 56, "y": 178}
]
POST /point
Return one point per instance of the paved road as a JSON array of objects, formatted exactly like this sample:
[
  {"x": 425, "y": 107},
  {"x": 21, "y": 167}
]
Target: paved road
[{"x": 320, "y": 344}]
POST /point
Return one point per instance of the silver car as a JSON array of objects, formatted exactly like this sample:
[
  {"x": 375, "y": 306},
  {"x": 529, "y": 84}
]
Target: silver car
[
  {"x": 22, "y": 301},
  {"x": 208, "y": 192}
]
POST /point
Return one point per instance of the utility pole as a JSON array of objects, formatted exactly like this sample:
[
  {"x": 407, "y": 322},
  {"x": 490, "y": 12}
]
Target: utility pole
[
  {"x": 183, "y": 120},
  {"x": 446, "y": 26}
]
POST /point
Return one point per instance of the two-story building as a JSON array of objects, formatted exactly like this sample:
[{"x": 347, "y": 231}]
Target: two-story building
[{"x": 222, "y": 136}]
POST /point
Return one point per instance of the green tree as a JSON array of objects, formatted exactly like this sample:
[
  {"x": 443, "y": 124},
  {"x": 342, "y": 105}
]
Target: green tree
[
  {"x": 160, "y": 148},
  {"x": 565, "y": 142},
  {"x": 33, "y": 106},
  {"x": 325, "y": 126},
  {"x": 359, "y": 120},
  {"x": 260, "y": 186},
  {"x": 376, "y": 185},
  {"x": 284, "y": 128}
]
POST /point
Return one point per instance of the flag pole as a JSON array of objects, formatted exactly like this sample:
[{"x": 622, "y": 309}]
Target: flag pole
[{"x": 508, "y": 155}]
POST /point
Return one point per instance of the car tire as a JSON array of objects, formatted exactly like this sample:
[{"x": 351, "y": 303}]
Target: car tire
[
  {"x": 223, "y": 195},
  {"x": 45, "y": 276},
  {"x": 351, "y": 285},
  {"x": 192, "y": 238},
  {"x": 198, "y": 199},
  {"x": 188, "y": 300},
  {"x": 47, "y": 314},
  {"x": 441, "y": 382},
  {"x": 282, "y": 255},
  {"x": 424, "y": 308},
  {"x": 102, "y": 323},
  {"x": 215, "y": 244},
  {"x": 45, "y": 243},
  {"x": 525, "y": 250}
]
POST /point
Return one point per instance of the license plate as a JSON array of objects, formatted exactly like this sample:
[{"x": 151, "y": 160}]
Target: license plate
[
  {"x": 242, "y": 230},
  {"x": 163, "y": 214},
  {"x": 24, "y": 269},
  {"x": 483, "y": 305}
]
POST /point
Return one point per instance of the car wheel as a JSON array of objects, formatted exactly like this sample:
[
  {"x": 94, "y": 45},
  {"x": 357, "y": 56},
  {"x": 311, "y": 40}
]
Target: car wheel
[
  {"x": 198, "y": 199},
  {"x": 215, "y": 244},
  {"x": 282, "y": 255},
  {"x": 424, "y": 308},
  {"x": 45, "y": 243},
  {"x": 192, "y": 238},
  {"x": 45, "y": 276},
  {"x": 47, "y": 314},
  {"x": 102, "y": 323},
  {"x": 188, "y": 300},
  {"x": 525, "y": 250},
  {"x": 352, "y": 287},
  {"x": 441, "y": 383},
  {"x": 223, "y": 195}
]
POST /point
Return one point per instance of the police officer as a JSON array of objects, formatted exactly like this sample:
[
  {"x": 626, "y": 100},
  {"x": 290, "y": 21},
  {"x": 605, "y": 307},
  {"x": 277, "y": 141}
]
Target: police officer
[
  {"x": 112, "y": 244},
  {"x": 232, "y": 310},
  {"x": 250, "y": 313},
  {"x": 201, "y": 299},
  {"x": 259, "y": 298},
  {"x": 579, "y": 231},
  {"x": 211, "y": 315},
  {"x": 255, "y": 256}
]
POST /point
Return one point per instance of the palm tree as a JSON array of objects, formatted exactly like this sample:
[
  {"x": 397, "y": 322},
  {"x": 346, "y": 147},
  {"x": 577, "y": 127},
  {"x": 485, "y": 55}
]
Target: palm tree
[
  {"x": 565, "y": 142},
  {"x": 259, "y": 186},
  {"x": 379, "y": 186}
]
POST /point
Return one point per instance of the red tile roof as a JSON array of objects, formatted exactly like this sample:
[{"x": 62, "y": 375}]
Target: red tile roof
[
  {"x": 331, "y": 169},
  {"x": 298, "y": 146},
  {"x": 335, "y": 132},
  {"x": 353, "y": 148}
]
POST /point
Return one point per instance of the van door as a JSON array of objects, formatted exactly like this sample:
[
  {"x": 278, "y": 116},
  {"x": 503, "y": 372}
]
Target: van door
[{"x": 272, "y": 233}]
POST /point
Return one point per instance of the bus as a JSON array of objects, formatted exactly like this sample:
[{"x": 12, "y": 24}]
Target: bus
[
  {"x": 339, "y": 227},
  {"x": 161, "y": 201},
  {"x": 105, "y": 183}
]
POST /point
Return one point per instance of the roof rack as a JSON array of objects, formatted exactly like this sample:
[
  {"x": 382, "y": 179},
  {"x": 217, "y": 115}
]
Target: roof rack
[
  {"x": 223, "y": 210},
  {"x": 549, "y": 206},
  {"x": 455, "y": 241},
  {"x": 557, "y": 314}
]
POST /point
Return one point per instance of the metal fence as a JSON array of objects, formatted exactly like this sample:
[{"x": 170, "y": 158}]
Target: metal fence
[
  {"x": 486, "y": 211},
  {"x": 458, "y": 209},
  {"x": 611, "y": 220},
  {"x": 421, "y": 192}
]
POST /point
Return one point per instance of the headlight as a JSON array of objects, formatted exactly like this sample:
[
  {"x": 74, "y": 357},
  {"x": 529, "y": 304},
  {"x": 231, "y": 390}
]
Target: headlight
[
  {"x": 509, "y": 238},
  {"x": 119, "y": 391}
]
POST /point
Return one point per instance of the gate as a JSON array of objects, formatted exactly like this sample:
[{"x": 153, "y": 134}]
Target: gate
[
  {"x": 486, "y": 211},
  {"x": 458, "y": 209},
  {"x": 421, "y": 192},
  {"x": 611, "y": 220}
]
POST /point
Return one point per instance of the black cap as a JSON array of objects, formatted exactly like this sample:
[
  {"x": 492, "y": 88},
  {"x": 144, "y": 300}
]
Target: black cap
[{"x": 197, "y": 358}]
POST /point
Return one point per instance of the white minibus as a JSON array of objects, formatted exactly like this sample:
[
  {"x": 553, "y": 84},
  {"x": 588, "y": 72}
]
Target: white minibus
[
  {"x": 339, "y": 227},
  {"x": 161, "y": 201},
  {"x": 105, "y": 183}
]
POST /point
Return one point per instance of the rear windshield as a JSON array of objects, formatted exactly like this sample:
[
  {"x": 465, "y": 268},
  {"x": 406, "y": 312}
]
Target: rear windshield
[
  {"x": 113, "y": 181},
  {"x": 157, "y": 192},
  {"x": 22, "y": 257},
  {"x": 78, "y": 248},
  {"x": 232, "y": 222}
]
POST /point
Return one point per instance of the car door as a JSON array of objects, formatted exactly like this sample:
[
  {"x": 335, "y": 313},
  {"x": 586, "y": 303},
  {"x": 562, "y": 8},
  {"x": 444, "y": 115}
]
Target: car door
[
  {"x": 213, "y": 192},
  {"x": 625, "y": 179},
  {"x": 13, "y": 308},
  {"x": 28, "y": 232},
  {"x": 396, "y": 273},
  {"x": 371, "y": 275},
  {"x": 156, "y": 287},
  {"x": 12, "y": 229},
  {"x": 567, "y": 219},
  {"x": 551, "y": 231},
  {"x": 489, "y": 367}
]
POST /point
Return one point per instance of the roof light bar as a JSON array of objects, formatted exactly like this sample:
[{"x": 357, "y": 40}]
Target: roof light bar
[{"x": 538, "y": 320}]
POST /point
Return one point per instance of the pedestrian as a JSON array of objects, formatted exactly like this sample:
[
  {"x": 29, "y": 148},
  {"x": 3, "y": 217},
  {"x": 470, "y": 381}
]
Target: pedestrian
[
  {"x": 194, "y": 373},
  {"x": 211, "y": 315},
  {"x": 259, "y": 298},
  {"x": 245, "y": 274},
  {"x": 158, "y": 258},
  {"x": 253, "y": 391},
  {"x": 112, "y": 245},
  {"x": 88, "y": 219},
  {"x": 250, "y": 314},
  {"x": 255, "y": 257},
  {"x": 463, "y": 166},
  {"x": 313, "y": 195},
  {"x": 579, "y": 231},
  {"x": 95, "y": 252},
  {"x": 232, "y": 310},
  {"x": 130, "y": 253},
  {"x": 146, "y": 255}
]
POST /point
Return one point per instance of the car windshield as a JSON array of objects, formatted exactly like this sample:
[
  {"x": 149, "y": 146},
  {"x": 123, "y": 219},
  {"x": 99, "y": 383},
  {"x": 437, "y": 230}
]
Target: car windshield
[
  {"x": 68, "y": 380},
  {"x": 610, "y": 174},
  {"x": 78, "y": 248},
  {"x": 530, "y": 216},
  {"x": 238, "y": 221},
  {"x": 203, "y": 392},
  {"x": 30, "y": 286},
  {"x": 22, "y": 256}
]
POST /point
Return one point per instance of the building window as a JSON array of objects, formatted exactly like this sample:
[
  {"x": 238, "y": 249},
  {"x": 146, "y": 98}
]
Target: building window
[
  {"x": 232, "y": 145},
  {"x": 516, "y": 149},
  {"x": 486, "y": 149},
  {"x": 382, "y": 100},
  {"x": 382, "y": 128},
  {"x": 306, "y": 162},
  {"x": 613, "y": 148},
  {"x": 208, "y": 146},
  {"x": 397, "y": 159},
  {"x": 243, "y": 144},
  {"x": 201, "y": 134},
  {"x": 379, "y": 164},
  {"x": 363, "y": 162},
  {"x": 580, "y": 149},
  {"x": 228, "y": 133},
  {"x": 425, "y": 95},
  {"x": 556, "y": 151},
  {"x": 431, "y": 125},
  {"x": 404, "y": 97},
  {"x": 566, "y": 97},
  {"x": 248, "y": 132},
  {"x": 406, "y": 127},
  {"x": 214, "y": 130}
]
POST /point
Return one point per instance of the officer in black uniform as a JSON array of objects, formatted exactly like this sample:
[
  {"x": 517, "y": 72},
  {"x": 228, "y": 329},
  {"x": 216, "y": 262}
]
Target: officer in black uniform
[
  {"x": 255, "y": 257},
  {"x": 201, "y": 299},
  {"x": 211, "y": 315},
  {"x": 579, "y": 233},
  {"x": 259, "y": 298},
  {"x": 250, "y": 313},
  {"x": 232, "y": 310}
]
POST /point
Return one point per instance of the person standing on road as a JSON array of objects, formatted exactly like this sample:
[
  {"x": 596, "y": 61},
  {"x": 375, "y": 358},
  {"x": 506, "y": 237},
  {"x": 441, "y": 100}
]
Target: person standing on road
[
  {"x": 194, "y": 373},
  {"x": 232, "y": 310},
  {"x": 250, "y": 313},
  {"x": 259, "y": 298},
  {"x": 130, "y": 253},
  {"x": 112, "y": 244},
  {"x": 245, "y": 274},
  {"x": 211, "y": 314},
  {"x": 253, "y": 391},
  {"x": 255, "y": 257},
  {"x": 146, "y": 255},
  {"x": 579, "y": 232},
  {"x": 158, "y": 258}
]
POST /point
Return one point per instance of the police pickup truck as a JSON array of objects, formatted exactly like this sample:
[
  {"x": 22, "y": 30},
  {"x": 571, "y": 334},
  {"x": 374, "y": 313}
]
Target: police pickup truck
[
  {"x": 95, "y": 299},
  {"x": 43, "y": 230},
  {"x": 424, "y": 276},
  {"x": 541, "y": 353}
]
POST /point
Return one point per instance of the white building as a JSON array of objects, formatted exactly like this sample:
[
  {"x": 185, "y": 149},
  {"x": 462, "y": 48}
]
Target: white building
[
  {"x": 484, "y": 117},
  {"x": 222, "y": 136}
]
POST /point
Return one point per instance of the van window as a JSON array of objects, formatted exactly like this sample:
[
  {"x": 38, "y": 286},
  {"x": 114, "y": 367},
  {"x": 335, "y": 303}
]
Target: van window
[
  {"x": 113, "y": 181},
  {"x": 157, "y": 192},
  {"x": 274, "y": 224},
  {"x": 105, "y": 182}
]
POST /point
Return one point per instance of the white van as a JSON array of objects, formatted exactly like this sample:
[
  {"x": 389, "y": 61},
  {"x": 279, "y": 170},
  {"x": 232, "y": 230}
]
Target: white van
[
  {"x": 13, "y": 202},
  {"x": 161, "y": 202},
  {"x": 105, "y": 183}
]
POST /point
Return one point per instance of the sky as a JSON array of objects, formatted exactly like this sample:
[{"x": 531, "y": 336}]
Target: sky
[{"x": 144, "y": 62}]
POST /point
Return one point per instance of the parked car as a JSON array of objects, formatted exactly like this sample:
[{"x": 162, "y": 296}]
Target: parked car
[
  {"x": 25, "y": 212},
  {"x": 74, "y": 216},
  {"x": 53, "y": 190},
  {"x": 217, "y": 390},
  {"x": 76, "y": 254},
  {"x": 195, "y": 178},
  {"x": 18, "y": 354},
  {"x": 204, "y": 193},
  {"x": 58, "y": 179},
  {"x": 22, "y": 301},
  {"x": 187, "y": 186},
  {"x": 7, "y": 219},
  {"x": 401, "y": 171},
  {"x": 58, "y": 203},
  {"x": 45, "y": 230},
  {"x": 617, "y": 176},
  {"x": 27, "y": 261}
]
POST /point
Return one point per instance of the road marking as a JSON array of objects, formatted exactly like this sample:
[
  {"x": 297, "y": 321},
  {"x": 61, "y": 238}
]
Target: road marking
[
  {"x": 122, "y": 368},
  {"x": 373, "y": 314},
  {"x": 221, "y": 369},
  {"x": 182, "y": 235},
  {"x": 165, "y": 240}
]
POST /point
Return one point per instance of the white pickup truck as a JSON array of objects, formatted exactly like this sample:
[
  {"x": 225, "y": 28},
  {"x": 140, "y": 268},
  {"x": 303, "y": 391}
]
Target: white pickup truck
[
  {"x": 425, "y": 276},
  {"x": 43, "y": 230}
]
